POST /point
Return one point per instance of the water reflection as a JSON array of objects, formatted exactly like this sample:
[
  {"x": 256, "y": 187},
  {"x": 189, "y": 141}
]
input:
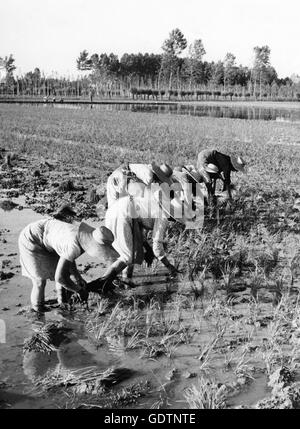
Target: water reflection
[{"x": 235, "y": 112}]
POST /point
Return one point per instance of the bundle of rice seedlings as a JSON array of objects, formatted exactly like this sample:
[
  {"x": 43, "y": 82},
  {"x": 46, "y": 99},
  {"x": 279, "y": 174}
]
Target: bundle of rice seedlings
[
  {"x": 46, "y": 338},
  {"x": 7, "y": 205},
  {"x": 87, "y": 380}
]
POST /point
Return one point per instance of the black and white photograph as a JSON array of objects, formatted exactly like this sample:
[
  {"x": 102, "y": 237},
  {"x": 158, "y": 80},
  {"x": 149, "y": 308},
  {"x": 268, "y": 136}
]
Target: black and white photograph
[{"x": 149, "y": 207}]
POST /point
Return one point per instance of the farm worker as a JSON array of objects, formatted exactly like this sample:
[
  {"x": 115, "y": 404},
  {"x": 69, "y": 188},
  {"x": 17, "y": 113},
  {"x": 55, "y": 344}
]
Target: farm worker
[
  {"x": 127, "y": 219},
  {"x": 225, "y": 165},
  {"x": 118, "y": 181},
  {"x": 48, "y": 250},
  {"x": 188, "y": 177}
]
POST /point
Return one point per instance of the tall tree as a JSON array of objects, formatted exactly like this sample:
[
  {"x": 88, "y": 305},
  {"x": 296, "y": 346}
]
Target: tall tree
[
  {"x": 175, "y": 44},
  {"x": 261, "y": 66},
  {"x": 8, "y": 64},
  {"x": 196, "y": 54},
  {"x": 172, "y": 47},
  {"x": 83, "y": 61},
  {"x": 229, "y": 69}
]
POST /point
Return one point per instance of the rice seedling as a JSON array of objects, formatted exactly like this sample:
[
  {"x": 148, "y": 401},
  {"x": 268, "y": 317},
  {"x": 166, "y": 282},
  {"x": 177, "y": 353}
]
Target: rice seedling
[
  {"x": 99, "y": 329},
  {"x": 197, "y": 283},
  {"x": 256, "y": 282},
  {"x": 102, "y": 306},
  {"x": 243, "y": 370},
  {"x": 166, "y": 345},
  {"x": 120, "y": 344},
  {"x": 228, "y": 274},
  {"x": 206, "y": 395},
  {"x": 207, "y": 351}
]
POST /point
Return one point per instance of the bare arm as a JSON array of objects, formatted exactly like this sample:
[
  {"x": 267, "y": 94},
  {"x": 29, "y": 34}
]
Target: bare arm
[
  {"x": 114, "y": 269},
  {"x": 62, "y": 275},
  {"x": 74, "y": 271}
]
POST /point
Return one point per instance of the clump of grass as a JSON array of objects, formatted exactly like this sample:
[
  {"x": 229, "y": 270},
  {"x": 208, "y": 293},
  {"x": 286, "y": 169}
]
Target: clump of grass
[
  {"x": 228, "y": 274},
  {"x": 166, "y": 345},
  {"x": 120, "y": 344},
  {"x": 207, "y": 395},
  {"x": 98, "y": 329},
  {"x": 207, "y": 351}
]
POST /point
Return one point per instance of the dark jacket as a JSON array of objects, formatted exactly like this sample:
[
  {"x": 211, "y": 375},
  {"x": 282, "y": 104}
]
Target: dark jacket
[{"x": 219, "y": 159}]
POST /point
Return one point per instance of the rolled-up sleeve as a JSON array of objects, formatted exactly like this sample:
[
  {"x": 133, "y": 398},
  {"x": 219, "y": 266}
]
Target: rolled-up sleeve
[{"x": 159, "y": 230}]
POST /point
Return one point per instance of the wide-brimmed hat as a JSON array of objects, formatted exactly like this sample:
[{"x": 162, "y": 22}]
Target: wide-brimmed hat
[
  {"x": 65, "y": 210},
  {"x": 97, "y": 242},
  {"x": 193, "y": 173},
  {"x": 163, "y": 172},
  {"x": 212, "y": 168},
  {"x": 238, "y": 163}
]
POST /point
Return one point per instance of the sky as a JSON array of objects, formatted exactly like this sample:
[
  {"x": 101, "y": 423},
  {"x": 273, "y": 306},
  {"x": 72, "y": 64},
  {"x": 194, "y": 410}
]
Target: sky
[{"x": 50, "y": 34}]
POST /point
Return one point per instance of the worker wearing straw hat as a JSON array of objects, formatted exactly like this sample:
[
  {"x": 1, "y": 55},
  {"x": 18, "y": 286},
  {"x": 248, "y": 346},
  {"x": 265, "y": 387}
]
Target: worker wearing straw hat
[
  {"x": 212, "y": 163},
  {"x": 143, "y": 174},
  {"x": 129, "y": 216},
  {"x": 48, "y": 250},
  {"x": 191, "y": 183}
]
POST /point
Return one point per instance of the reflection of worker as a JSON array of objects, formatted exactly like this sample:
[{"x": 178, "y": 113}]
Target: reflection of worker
[
  {"x": 70, "y": 355},
  {"x": 225, "y": 165},
  {"x": 48, "y": 250}
]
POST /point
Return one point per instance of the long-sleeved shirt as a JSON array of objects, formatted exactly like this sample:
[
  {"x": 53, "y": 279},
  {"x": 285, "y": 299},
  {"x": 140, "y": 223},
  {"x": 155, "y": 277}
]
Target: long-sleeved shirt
[{"x": 119, "y": 220}]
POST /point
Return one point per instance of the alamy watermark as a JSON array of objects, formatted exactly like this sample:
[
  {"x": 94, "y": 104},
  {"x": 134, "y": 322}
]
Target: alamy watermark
[{"x": 182, "y": 202}]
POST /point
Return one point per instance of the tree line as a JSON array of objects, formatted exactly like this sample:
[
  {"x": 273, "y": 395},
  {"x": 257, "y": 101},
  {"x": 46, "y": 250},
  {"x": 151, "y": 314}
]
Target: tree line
[{"x": 180, "y": 71}]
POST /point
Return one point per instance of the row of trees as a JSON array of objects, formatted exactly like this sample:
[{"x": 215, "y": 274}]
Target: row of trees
[{"x": 171, "y": 73}]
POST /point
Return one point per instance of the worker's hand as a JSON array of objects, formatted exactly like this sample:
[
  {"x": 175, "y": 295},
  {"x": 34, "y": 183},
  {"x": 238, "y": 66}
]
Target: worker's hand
[
  {"x": 82, "y": 293},
  {"x": 229, "y": 205},
  {"x": 81, "y": 283},
  {"x": 173, "y": 271}
]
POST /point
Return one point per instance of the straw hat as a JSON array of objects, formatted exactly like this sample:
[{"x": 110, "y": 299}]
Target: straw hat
[
  {"x": 212, "y": 168},
  {"x": 238, "y": 163},
  {"x": 163, "y": 172},
  {"x": 97, "y": 242},
  {"x": 193, "y": 173},
  {"x": 176, "y": 207},
  {"x": 65, "y": 210}
]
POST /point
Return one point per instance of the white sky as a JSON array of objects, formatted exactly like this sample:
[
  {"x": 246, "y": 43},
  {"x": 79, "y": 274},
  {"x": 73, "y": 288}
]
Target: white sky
[{"x": 49, "y": 34}]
